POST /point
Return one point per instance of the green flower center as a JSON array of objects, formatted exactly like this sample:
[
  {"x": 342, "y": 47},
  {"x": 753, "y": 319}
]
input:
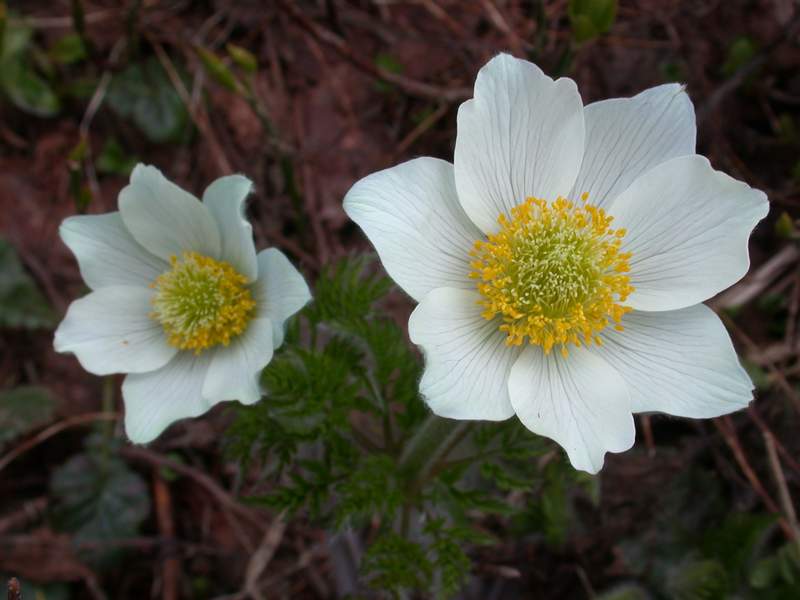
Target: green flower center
[
  {"x": 201, "y": 302},
  {"x": 554, "y": 273}
]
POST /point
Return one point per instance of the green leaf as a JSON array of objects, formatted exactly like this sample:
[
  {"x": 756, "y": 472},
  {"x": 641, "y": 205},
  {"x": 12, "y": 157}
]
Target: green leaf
[
  {"x": 18, "y": 79},
  {"x": 390, "y": 64},
  {"x": 765, "y": 573},
  {"x": 789, "y": 560},
  {"x": 27, "y": 90},
  {"x": 448, "y": 557},
  {"x": 68, "y": 49},
  {"x": 312, "y": 397},
  {"x": 556, "y": 510},
  {"x": 507, "y": 478},
  {"x": 144, "y": 93},
  {"x": 590, "y": 484},
  {"x": 369, "y": 490},
  {"x": 735, "y": 541},
  {"x": 780, "y": 569},
  {"x": 98, "y": 498},
  {"x": 242, "y": 57},
  {"x": 740, "y": 52},
  {"x": 320, "y": 388},
  {"x": 393, "y": 563},
  {"x": 453, "y": 566},
  {"x": 591, "y": 18},
  {"x": 582, "y": 28},
  {"x": 308, "y": 488},
  {"x": 219, "y": 70},
  {"x": 784, "y": 226},
  {"x": 395, "y": 368},
  {"x": 346, "y": 296},
  {"x": 625, "y": 591},
  {"x": 3, "y": 26},
  {"x": 256, "y": 430},
  {"x": 795, "y": 173},
  {"x": 21, "y": 303},
  {"x": 674, "y": 70},
  {"x": 16, "y": 39},
  {"x": 787, "y": 129},
  {"x": 699, "y": 580},
  {"x": 23, "y": 409},
  {"x": 114, "y": 161},
  {"x": 345, "y": 293}
]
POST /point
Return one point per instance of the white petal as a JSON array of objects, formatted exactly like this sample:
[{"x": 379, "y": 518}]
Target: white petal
[
  {"x": 155, "y": 400},
  {"x": 106, "y": 252},
  {"x": 235, "y": 370},
  {"x": 225, "y": 199},
  {"x": 279, "y": 292},
  {"x": 687, "y": 227},
  {"x": 627, "y": 136},
  {"x": 521, "y": 135},
  {"x": 110, "y": 332},
  {"x": 579, "y": 401},
  {"x": 412, "y": 216},
  {"x": 679, "y": 362},
  {"x": 467, "y": 361},
  {"x": 165, "y": 219}
]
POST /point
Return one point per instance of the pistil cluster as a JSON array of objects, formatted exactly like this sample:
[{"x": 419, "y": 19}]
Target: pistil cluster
[
  {"x": 554, "y": 274},
  {"x": 201, "y": 302}
]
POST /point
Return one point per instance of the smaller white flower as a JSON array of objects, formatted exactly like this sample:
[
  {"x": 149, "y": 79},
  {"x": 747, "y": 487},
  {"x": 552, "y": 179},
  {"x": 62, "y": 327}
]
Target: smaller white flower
[{"x": 180, "y": 300}]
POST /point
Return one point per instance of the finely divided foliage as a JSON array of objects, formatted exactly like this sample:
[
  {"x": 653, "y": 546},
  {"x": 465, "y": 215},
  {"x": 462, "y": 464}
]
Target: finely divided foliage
[{"x": 342, "y": 407}]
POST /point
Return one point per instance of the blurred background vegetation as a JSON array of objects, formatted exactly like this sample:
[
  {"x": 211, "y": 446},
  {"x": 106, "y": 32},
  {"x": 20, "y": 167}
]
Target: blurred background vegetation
[{"x": 305, "y": 97}]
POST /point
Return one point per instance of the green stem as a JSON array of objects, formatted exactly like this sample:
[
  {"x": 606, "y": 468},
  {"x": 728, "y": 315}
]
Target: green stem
[
  {"x": 428, "y": 445},
  {"x": 423, "y": 454},
  {"x": 107, "y": 428},
  {"x": 380, "y": 399},
  {"x": 79, "y": 23},
  {"x": 131, "y": 23},
  {"x": 108, "y": 403}
]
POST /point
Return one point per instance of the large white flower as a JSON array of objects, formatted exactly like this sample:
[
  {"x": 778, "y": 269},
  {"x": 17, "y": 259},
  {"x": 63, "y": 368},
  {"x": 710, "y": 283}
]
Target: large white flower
[
  {"x": 530, "y": 303},
  {"x": 180, "y": 300}
]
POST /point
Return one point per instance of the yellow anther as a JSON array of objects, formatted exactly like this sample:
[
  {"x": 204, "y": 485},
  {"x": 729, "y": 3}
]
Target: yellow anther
[
  {"x": 553, "y": 274},
  {"x": 201, "y": 302}
]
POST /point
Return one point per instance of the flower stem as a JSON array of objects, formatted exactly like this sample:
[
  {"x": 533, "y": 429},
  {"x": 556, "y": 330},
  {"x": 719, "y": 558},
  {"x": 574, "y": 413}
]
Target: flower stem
[
  {"x": 424, "y": 450},
  {"x": 108, "y": 404},
  {"x": 422, "y": 455},
  {"x": 107, "y": 429}
]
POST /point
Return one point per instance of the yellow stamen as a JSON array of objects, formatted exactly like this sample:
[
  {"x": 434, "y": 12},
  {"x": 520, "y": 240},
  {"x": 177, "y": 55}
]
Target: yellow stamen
[
  {"x": 201, "y": 302},
  {"x": 554, "y": 274}
]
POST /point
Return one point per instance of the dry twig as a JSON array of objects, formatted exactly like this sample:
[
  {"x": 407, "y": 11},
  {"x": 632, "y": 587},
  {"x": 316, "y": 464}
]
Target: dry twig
[
  {"x": 14, "y": 589},
  {"x": 171, "y": 568},
  {"x": 263, "y": 555},
  {"x": 207, "y": 483},
  {"x": 783, "y": 490},
  {"x": 54, "y": 429},
  {"x": 728, "y": 431},
  {"x": 197, "y": 114},
  {"x": 409, "y": 86},
  {"x": 757, "y": 281}
]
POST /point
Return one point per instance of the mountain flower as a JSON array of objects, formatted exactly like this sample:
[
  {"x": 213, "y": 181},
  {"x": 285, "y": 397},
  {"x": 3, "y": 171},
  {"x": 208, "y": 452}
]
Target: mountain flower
[
  {"x": 180, "y": 300},
  {"x": 560, "y": 263}
]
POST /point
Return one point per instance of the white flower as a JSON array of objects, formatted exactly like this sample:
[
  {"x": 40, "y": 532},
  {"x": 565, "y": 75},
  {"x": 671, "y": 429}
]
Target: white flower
[
  {"x": 534, "y": 305},
  {"x": 179, "y": 299}
]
